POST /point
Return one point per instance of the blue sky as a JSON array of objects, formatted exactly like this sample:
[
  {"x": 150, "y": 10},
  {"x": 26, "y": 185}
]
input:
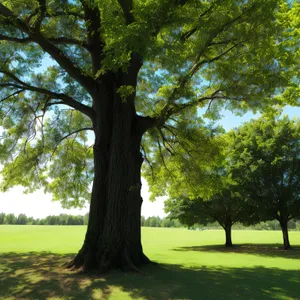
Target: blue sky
[{"x": 230, "y": 120}]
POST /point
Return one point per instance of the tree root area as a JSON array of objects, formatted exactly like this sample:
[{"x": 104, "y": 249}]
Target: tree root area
[{"x": 89, "y": 262}]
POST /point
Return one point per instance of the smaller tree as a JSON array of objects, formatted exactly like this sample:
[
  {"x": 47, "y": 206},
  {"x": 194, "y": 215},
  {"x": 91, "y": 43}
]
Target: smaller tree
[
  {"x": 226, "y": 207},
  {"x": 30, "y": 221},
  {"x": 166, "y": 222},
  {"x": 2, "y": 217},
  {"x": 265, "y": 162},
  {"x": 154, "y": 222},
  {"x": 70, "y": 220},
  {"x": 62, "y": 219},
  {"x": 10, "y": 219},
  {"x": 86, "y": 219},
  {"x": 22, "y": 219}
]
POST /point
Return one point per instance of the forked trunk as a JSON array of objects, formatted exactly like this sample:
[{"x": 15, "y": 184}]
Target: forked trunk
[{"x": 285, "y": 234}]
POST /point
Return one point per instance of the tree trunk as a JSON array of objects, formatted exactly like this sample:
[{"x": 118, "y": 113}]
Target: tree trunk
[
  {"x": 228, "y": 242},
  {"x": 285, "y": 234},
  {"x": 113, "y": 238}
]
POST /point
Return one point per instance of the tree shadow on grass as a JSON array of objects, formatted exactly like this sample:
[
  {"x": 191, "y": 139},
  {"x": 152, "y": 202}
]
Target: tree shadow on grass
[
  {"x": 271, "y": 250},
  {"x": 41, "y": 276}
]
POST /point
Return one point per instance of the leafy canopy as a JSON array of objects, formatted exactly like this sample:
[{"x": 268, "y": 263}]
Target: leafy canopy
[
  {"x": 258, "y": 178},
  {"x": 195, "y": 53},
  {"x": 265, "y": 162}
]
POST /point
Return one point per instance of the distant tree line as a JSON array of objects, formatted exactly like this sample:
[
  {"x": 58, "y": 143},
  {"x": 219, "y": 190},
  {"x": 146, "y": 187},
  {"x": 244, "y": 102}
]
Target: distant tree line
[
  {"x": 62, "y": 219},
  {"x": 160, "y": 222},
  {"x": 65, "y": 219},
  {"x": 154, "y": 221}
]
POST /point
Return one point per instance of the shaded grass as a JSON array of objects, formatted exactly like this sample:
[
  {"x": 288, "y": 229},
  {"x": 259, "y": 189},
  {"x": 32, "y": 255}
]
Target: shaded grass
[
  {"x": 41, "y": 276},
  {"x": 270, "y": 250},
  {"x": 193, "y": 265}
]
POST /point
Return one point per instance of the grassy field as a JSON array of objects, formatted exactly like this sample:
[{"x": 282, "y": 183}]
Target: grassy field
[{"x": 193, "y": 265}]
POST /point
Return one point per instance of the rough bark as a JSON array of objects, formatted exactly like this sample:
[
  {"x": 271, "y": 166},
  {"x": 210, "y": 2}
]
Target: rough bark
[
  {"x": 285, "y": 234},
  {"x": 113, "y": 238},
  {"x": 228, "y": 242}
]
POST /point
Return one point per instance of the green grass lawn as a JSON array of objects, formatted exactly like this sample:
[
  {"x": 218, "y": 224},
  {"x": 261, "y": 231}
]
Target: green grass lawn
[{"x": 193, "y": 265}]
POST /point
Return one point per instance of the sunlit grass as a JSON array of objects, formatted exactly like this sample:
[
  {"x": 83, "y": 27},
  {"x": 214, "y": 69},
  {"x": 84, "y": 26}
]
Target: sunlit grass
[{"x": 194, "y": 265}]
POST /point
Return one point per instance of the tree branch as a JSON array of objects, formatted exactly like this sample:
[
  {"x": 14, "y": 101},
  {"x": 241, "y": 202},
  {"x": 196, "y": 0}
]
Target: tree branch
[
  {"x": 5, "y": 11},
  {"x": 167, "y": 111},
  {"x": 73, "y": 70},
  {"x": 56, "y": 41},
  {"x": 189, "y": 33},
  {"x": 167, "y": 145},
  {"x": 197, "y": 66},
  {"x": 68, "y": 135},
  {"x": 74, "y": 132},
  {"x": 95, "y": 43},
  {"x": 48, "y": 104},
  {"x": 65, "y": 14},
  {"x": 41, "y": 14},
  {"x": 148, "y": 161},
  {"x": 11, "y": 95},
  {"x": 68, "y": 41},
  {"x": 65, "y": 98},
  {"x": 127, "y": 6},
  {"x": 162, "y": 157},
  {"x": 14, "y": 39}
]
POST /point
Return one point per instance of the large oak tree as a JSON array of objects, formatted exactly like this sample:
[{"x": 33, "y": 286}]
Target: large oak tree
[{"x": 126, "y": 70}]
